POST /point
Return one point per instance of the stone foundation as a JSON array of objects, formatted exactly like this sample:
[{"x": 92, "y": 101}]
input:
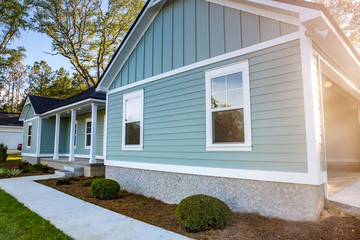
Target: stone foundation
[
  {"x": 32, "y": 160},
  {"x": 272, "y": 199}
]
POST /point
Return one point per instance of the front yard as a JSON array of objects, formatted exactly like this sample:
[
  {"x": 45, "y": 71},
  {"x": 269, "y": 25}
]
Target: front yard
[
  {"x": 331, "y": 225},
  {"x": 18, "y": 222}
]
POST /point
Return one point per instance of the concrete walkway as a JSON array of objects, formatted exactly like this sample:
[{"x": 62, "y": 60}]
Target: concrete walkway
[
  {"x": 347, "y": 199},
  {"x": 77, "y": 218}
]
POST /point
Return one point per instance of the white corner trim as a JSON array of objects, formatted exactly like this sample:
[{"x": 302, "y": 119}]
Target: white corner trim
[
  {"x": 284, "y": 177},
  {"x": 86, "y": 121},
  {"x": 237, "y": 67},
  {"x": 257, "y": 11},
  {"x": 106, "y": 125},
  {"x": 38, "y": 143},
  {"x": 309, "y": 104},
  {"x": 135, "y": 94},
  {"x": 263, "y": 45}
]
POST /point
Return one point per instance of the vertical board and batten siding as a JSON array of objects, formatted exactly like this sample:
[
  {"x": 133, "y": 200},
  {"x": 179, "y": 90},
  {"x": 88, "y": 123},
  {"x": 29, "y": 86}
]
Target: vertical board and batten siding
[
  {"x": 80, "y": 139},
  {"x": 188, "y": 31},
  {"x": 174, "y": 117},
  {"x": 34, "y": 130}
]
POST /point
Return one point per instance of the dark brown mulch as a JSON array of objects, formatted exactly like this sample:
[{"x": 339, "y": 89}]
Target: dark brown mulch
[
  {"x": 14, "y": 164},
  {"x": 332, "y": 225}
]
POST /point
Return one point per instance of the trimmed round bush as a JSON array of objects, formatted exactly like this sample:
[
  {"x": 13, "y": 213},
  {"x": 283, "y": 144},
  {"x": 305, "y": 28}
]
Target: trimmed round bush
[
  {"x": 105, "y": 188},
  {"x": 201, "y": 212}
]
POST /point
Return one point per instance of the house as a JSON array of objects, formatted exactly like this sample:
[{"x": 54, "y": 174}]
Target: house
[
  {"x": 244, "y": 100},
  {"x": 10, "y": 129},
  {"x": 226, "y": 98},
  {"x": 59, "y": 131}
]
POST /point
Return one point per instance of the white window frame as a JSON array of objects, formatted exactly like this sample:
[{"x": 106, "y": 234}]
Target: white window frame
[
  {"x": 127, "y": 96},
  {"x": 76, "y": 133},
  {"x": 218, "y": 72},
  {"x": 86, "y": 121},
  {"x": 27, "y": 135}
]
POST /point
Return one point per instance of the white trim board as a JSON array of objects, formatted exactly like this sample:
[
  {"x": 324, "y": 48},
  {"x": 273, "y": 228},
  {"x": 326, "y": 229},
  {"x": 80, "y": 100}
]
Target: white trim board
[
  {"x": 60, "y": 155},
  {"x": 273, "y": 176},
  {"x": 267, "y": 44},
  {"x": 30, "y": 119}
]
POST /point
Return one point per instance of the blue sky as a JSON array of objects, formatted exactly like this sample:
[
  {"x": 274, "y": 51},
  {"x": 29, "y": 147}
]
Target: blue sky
[{"x": 36, "y": 44}]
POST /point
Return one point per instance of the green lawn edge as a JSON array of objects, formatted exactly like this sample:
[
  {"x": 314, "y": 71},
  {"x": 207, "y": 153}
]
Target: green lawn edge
[{"x": 18, "y": 222}]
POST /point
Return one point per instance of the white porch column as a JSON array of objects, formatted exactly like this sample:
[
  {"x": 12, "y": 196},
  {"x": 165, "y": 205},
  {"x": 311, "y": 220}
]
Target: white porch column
[
  {"x": 93, "y": 133},
  {"x": 72, "y": 135},
  {"x": 57, "y": 132}
]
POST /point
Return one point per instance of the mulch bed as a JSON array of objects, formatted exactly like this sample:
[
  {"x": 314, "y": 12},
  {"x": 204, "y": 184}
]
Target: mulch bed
[
  {"x": 333, "y": 224},
  {"x": 33, "y": 172}
]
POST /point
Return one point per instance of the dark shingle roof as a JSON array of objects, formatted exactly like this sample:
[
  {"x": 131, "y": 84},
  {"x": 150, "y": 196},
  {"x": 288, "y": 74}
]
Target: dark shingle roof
[
  {"x": 10, "y": 119},
  {"x": 44, "y": 104}
]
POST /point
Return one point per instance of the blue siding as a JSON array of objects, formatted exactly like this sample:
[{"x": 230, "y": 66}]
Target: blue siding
[
  {"x": 174, "y": 117},
  {"x": 187, "y": 31},
  {"x": 32, "y": 148}
]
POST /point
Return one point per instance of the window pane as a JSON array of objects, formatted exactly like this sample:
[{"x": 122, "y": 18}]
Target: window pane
[
  {"x": 228, "y": 126},
  {"x": 132, "y": 133},
  {"x": 88, "y": 127},
  {"x": 133, "y": 109},
  {"x": 235, "y": 98},
  {"x": 218, "y": 100},
  {"x": 218, "y": 84},
  {"x": 234, "y": 81},
  {"x": 88, "y": 139},
  {"x": 30, "y": 129},
  {"x": 29, "y": 141}
]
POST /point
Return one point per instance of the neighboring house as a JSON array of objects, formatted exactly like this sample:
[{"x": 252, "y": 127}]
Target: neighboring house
[
  {"x": 224, "y": 97},
  {"x": 64, "y": 128},
  {"x": 10, "y": 129}
]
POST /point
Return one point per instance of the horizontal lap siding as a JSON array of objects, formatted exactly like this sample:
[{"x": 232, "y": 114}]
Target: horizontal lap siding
[
  {"x": 188, "y": 31},
  {"x": 47, "y": 136},
  {"x": 34, "y": 131},
  {"x": 174, "y": 117}
]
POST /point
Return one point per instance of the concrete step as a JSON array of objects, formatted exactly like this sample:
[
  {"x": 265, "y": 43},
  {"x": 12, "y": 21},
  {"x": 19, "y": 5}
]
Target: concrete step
[
  {"x": 64, "y": 173},
  {"x": 77, "y": 170}
]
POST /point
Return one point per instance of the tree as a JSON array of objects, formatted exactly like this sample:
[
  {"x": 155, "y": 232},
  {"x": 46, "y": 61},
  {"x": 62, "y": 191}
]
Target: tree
[
  {"x": 83, "y": 33},
  {"x": 63, "y": 86},
  {"x": 40, "y": 79},
  {"x": 14, "y": 79},
  {"x": 347, "y": 15},
  {"x": 13, "y": 14}
]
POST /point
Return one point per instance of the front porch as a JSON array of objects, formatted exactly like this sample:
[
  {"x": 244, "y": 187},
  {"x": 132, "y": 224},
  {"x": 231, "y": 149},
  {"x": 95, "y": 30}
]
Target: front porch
[{"x": 92, "y": 169}]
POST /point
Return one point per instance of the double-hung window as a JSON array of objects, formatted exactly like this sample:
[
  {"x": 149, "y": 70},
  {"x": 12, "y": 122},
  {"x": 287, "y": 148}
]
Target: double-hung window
[
  {"x": 228, "y": 123},
  {"x": 132, "y": 128},
  {"x": 88, "y": 133},
  {"x": 29, "y": 135}
]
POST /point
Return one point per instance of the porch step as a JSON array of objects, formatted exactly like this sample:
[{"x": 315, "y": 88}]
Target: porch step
[
  {"x": 76, "y": 170},
  {"x": 64, "y": 173}
]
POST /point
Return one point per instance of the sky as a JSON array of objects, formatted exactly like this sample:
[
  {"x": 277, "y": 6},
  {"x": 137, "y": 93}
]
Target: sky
[{"x": 36, "y": 44}]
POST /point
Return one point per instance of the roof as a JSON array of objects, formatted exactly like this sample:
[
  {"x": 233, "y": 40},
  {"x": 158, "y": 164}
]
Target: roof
[
  {"x": 44, "y": 104},
  {"x": 10, "y": 119}
]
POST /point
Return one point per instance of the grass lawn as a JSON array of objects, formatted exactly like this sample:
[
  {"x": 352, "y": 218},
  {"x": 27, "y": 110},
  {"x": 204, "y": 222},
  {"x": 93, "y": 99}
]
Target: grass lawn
[
  {"x": 14, "y": 157},
  {"x": 18, "y": 222}
]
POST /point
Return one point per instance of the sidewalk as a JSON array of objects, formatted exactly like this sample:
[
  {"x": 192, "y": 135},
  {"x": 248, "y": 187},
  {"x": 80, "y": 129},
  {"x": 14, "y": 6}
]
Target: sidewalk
[
  {"x": 347, "y": 199},
  {"x": 77, "y": 218}
]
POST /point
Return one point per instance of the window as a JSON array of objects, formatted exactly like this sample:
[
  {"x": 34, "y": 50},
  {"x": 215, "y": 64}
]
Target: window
[
  {"x": 88, "y": 133},
  {"x": 133, "y": 120},
  {"x": 29, "y": 135},
  {"x": 228, "y": 123},
  {"x": 75, "y": 137}
]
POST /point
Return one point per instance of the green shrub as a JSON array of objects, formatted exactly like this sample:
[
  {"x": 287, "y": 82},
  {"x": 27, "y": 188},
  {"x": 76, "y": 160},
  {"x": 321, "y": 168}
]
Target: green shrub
[
  {"x": 105, "y": 188},
  {"x": 202, "y": 212},
  {"x": 4, "y": 172},
  {"x": 40, "y": 167},
  {"x": 25, "y": 169},
  {"x": 14, "y": 172},
  {"x": 63, "y": 181},
  {"x": 21, "y": 166},
  {"x": 88, "y": 182},
  {"x": 25, "y": 163},
  {"x": 3, "y": 152}
]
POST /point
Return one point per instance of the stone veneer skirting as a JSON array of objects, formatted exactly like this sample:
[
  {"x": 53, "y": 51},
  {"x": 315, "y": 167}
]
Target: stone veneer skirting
[{"x": 272, "y": 199}]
